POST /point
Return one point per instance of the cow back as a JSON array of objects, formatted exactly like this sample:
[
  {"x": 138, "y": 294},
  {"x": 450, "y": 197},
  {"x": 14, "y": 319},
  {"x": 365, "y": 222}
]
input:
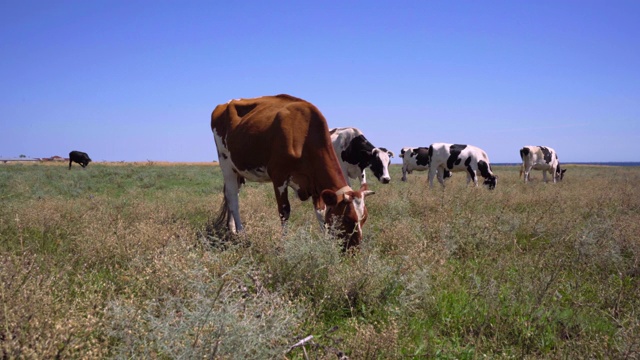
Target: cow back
[{"x": 287, "y": 135}]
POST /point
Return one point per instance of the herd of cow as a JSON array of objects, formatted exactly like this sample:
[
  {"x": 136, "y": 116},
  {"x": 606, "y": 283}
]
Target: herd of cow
[{"x": 286, "y": 141}]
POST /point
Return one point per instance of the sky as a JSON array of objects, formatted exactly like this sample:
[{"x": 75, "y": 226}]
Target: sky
[{"x": 137, "y": 80}]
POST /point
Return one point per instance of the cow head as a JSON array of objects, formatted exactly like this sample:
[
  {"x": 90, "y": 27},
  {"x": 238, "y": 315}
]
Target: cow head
[
  {"x": 346, "y": 213},
  {"x": 491, "y": 182},
  {"x": 380, "y": 161},
  {"x": 559, "y": 173}
]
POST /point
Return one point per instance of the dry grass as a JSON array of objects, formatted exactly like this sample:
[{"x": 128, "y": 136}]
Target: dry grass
[{"x": 114, "y": 261}]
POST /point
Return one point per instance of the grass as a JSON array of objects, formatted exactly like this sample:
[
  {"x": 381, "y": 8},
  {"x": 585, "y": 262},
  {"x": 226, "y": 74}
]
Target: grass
[{"x": 113, "y": 262}]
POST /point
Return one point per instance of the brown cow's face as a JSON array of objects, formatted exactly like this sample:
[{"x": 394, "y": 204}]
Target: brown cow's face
[{"x": 346, "y": 214}]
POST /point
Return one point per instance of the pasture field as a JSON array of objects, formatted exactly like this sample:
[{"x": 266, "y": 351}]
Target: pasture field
[{"x": 116, "y": 262}]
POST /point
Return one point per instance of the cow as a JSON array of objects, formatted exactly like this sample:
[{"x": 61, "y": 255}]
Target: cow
[
  {"x": 456, "y": 157},
  {"x": 416, "y": 158},
  {"x": 541, "y": 158},
  {"x": 285, "y": 140},
  {"x": 79, "y": 157},
  {"x": 355, "y": 153}
]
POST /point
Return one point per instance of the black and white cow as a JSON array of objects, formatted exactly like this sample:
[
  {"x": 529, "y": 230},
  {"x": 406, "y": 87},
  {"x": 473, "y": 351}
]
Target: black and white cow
[
  {"x": 79, "y": 157},
  {"x": 456, "y": 157},
  {"x": 541, "y": 158},
  {"x": 355, "y": 153},
  {"x": 416, "y": 158}
]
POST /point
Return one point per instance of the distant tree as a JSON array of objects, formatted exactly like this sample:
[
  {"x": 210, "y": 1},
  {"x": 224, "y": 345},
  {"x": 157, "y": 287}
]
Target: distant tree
[{"x": 22, "y": 156}]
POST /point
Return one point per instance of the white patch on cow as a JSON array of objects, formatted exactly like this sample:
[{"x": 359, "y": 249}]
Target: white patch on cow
[
  {"x": 293, "y": 185},
  {"x": 358, "y": 205},
  {"x": 282, "y": 188}
]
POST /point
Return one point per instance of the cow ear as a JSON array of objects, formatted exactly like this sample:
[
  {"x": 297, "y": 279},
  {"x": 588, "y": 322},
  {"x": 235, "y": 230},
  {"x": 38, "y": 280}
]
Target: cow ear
[
  {"x": 329, "y": 197},
  {"x": 367, "y": 193},
  {"x": 364, "y": 189},
  {"x": 390, "y": 153}
]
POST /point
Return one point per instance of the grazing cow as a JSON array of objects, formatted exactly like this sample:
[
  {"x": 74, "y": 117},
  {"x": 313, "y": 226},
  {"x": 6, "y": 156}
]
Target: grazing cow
[
  {"x": 355, "y": 153},
  {"x": 285, "y": 140},
  {"x": 541, "y": 158},
  {"x": 416, "y": 158},
  {"x": 455, "y": 157},
  {"x": 79, "y": 157}
]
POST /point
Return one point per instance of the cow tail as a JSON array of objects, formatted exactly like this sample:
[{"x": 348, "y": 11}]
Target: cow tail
[
  {"x": 216, "y": 230},
  {"x": 222, "y": 219}
]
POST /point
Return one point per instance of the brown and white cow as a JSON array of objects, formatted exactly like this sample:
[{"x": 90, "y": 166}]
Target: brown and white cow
[
  {"x": 456, "y": 157},
  {"x": 285, "y": 140},
  {"x": 355, "y": 153},
  {"x": 541, "y": 158}
]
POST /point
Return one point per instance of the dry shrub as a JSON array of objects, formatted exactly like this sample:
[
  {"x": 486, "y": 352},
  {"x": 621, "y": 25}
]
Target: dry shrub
[
  {"x": 202, "y": 314},
  {"x": 40, "y": 318},
  {"x": 118, "y": 230}
]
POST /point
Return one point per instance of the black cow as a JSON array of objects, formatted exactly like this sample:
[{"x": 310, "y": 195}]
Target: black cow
[{"x": 79, "y": 157}]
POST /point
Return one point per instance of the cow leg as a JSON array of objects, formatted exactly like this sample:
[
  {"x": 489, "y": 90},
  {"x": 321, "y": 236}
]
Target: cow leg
[
  {"x": 320, "y": 210},
  {"x": 232, "y": 183},
  {"x": 552, "y": 172},
  {"x": 432, "y": 173},
  {"x": 70, "y": 164},
  {"x": 362, "y": 177},
  {"x": 544, "y": 175},
  {"x": 471, "y": 175},
  {"x": 231, "y": 191},
  {"x": 282, "y": 198},
  {"x": 440, "y": 174},
  {"x": 404, "y": 173}
]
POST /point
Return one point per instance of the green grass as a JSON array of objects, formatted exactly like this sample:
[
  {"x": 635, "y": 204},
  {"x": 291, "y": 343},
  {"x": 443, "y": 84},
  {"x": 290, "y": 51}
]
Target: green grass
[{"x": 114, "y": 261}]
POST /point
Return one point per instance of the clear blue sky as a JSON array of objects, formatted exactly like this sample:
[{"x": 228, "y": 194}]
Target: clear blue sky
[{"x": 137, "y": 80}]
